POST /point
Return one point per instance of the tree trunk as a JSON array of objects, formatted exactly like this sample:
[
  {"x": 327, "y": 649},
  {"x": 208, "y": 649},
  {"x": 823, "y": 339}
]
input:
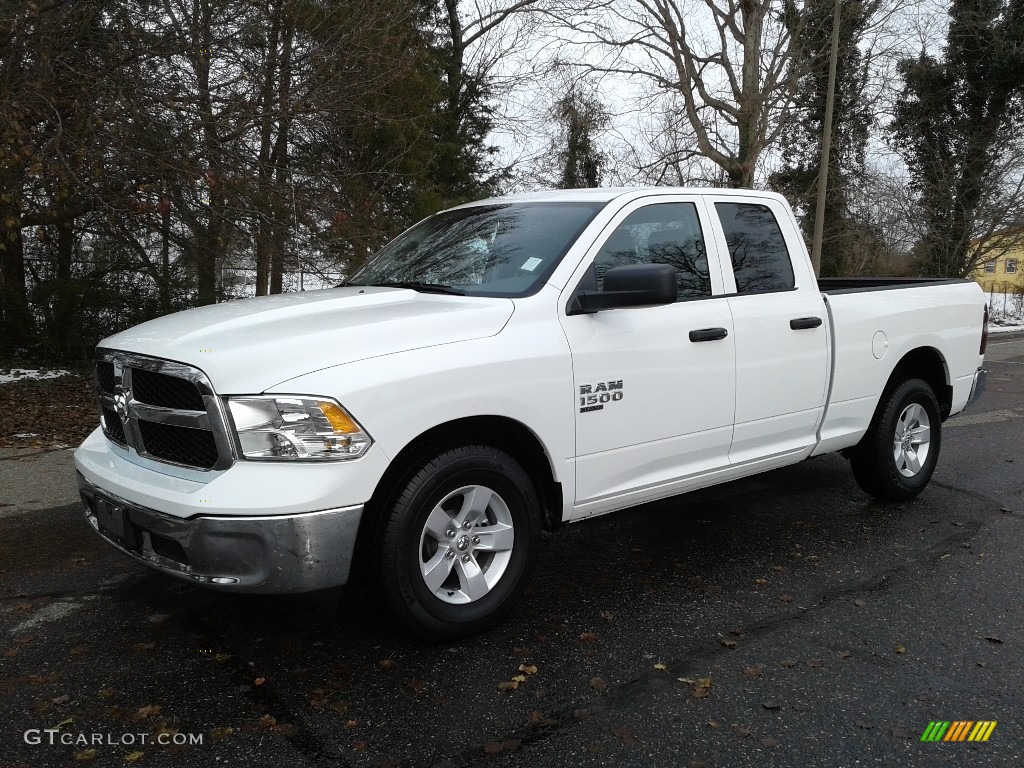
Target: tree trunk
[
  {"x": 281, "y": 170},
  {"x": 17, "y": 318}
]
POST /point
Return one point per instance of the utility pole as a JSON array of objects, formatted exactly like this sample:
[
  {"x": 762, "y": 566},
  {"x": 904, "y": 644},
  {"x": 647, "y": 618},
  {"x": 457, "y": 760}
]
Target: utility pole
[{"x": 826, "y": 144}]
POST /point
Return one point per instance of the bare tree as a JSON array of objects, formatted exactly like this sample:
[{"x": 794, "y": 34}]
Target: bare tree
[{"x": 726, "y": 63}]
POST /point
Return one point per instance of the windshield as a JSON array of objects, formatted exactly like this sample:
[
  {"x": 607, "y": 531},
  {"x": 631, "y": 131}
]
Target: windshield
[{"x": 483, "y": 250}]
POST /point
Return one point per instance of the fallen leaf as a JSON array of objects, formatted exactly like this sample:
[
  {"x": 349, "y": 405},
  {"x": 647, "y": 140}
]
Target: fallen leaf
[
  {"x": 843, "y": 655},
  {"x": 415, "y": 685},
  {"x": 736, "y": 632},
  {"x": 24, "y": 640},
  {"x": 385, "y": 665},
  {"x": 581, "y": 714},
  {"x": 714, "y": 724},
  {"x": 79, "y": 650},
  {"x": 529, "y": 669},
  {"x": 359, "y": 746},
  {"x": 760, "y": 582},
  {"x": 597, "y": 684},
  {"x": 536, "y": 717},
  {"x": 660, "y": 666},
  {"x": 64, "y": 699},
  {"x": 148, "y": 711},
  {"x": 520, "y": 650},
  {"x": 771, "y": 705},
  {"x": 752, "y": 671},
  {"x": 993, "y": 639},
  {"x": 351, "y": 723},
  {"x": 900, "y": 649},
  {"x": 786, "y": 598},
  {"x": 768, "y": 742},
  {"x": 588, "y": 637},
  {"x": 787, "y": 663},
  {"x": 863, "y": 724},
  {"x": 730, "y": 644},
  {"x": 10, "y": 653},
  {"x": 268, "y": 721},
  {"x": 286, "y": 729},
  {"x": 740, "y": 731},
  {"x": 701, "y": 687},
  {"x": 86, "y": 754},
  {"x": 815, "y": 663},
  {"x": 260, "y": 680},
  {"x": 494, "y": 747},
  {"x": 220, "y": 658},
  {"x": 133, "y": 757},
  {"x": 624, "y": 734},
  {"x": 221, "y": 732},
  {"x": 859, "y": 603},
  {"x": 507, "y": 686},
  {"x": 142, "y": 647},
  {"x": 607, "y": 615},
  {"x": 519, "y": 678},
  {"x": 106, "y": 693}
]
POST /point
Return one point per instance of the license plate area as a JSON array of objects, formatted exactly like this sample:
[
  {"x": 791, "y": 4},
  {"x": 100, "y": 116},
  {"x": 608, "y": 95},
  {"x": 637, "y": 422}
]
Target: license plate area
[
  {"x": 114, "y": 521},
  {"x": 110, "y": 517}
]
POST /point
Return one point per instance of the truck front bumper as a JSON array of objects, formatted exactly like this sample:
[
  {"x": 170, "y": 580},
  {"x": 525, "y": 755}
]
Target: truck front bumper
[{"x": 271, "y": 554}]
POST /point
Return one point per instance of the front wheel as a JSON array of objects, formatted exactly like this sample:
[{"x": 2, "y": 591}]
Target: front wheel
[
  {"x": 896, "y": 457},
  {"x": 459, "y": 542}
]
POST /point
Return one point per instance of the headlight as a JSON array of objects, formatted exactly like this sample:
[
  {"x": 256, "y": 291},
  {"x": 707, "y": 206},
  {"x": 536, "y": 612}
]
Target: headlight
[{"x": 296, "y": 428}]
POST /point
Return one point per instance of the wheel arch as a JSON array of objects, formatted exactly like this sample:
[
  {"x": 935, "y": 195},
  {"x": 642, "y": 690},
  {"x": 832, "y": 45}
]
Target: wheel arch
[
  {"x": 500, "y": 432},
  {"x": 925, "y": 363}
]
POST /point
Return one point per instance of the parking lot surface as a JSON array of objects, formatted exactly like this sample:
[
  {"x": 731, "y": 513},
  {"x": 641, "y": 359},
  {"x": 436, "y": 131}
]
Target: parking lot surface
[{"x": 783, "y": 620}]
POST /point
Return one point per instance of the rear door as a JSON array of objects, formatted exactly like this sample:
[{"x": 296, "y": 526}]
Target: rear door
[
  {"x": 653, "y": 386},
  {"x": 780, "y": 329}
]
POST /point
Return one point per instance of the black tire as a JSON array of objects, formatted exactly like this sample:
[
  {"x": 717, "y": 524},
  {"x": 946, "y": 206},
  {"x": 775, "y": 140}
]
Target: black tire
[
  {"x": 894, "y": 470},
  {"x": 488, "y": 568}
]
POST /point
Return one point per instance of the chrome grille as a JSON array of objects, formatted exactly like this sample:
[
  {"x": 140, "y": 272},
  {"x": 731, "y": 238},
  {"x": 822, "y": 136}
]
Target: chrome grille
[
  {"x": 164, "y": 410},
  {"x": 167, "y": 391}
]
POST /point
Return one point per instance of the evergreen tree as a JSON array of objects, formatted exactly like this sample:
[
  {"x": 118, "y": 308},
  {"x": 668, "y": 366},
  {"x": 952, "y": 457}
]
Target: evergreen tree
[
  {"x": 851, "y": 121},
  {"x": 954, "y": 123},
  {"x": 580, "y": 118}
]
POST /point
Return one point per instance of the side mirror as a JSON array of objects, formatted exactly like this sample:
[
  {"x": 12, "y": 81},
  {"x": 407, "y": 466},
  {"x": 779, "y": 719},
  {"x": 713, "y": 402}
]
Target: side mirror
[{"x": 636, "y": 285}]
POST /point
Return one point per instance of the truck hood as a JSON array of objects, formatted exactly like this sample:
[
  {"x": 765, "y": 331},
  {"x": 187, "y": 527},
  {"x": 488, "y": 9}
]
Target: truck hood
[{"x": 248, "y": 346}]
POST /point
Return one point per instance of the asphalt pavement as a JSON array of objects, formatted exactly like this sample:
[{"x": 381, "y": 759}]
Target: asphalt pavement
[{"x": 784, "y": 620}]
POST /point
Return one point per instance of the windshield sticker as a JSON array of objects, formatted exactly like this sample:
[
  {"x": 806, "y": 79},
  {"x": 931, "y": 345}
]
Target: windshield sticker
[
  {"x": 531, "y": 264},
  {"x": 593, "y": 397}
]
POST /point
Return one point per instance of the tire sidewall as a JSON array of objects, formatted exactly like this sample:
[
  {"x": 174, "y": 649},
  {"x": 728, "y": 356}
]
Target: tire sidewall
[
  {"x": 910, "y": 392},
  {"x": 448, "y": 471}
]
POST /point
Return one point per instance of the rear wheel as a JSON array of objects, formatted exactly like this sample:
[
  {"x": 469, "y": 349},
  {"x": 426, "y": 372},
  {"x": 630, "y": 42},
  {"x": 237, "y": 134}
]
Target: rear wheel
[
  {"x": 896, "y": 457},
  {"x": 459, "y": 542}
]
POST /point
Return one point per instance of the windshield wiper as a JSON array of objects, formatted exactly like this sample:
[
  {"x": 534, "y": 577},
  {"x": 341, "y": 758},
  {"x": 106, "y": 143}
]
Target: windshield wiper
[{"x": 418, "y": 286}]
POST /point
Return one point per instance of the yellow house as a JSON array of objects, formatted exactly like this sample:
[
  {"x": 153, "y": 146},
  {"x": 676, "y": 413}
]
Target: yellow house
[{"x": 1003, "y": 273}]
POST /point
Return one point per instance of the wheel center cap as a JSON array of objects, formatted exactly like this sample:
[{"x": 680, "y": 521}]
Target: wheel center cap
[{"x": 462, "y": 543}]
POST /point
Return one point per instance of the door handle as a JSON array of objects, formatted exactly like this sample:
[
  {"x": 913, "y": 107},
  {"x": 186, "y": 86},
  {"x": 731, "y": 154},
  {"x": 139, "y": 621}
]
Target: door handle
[
  {"x": 801, "y": 323},
  {"x": 708, "y": 334}
]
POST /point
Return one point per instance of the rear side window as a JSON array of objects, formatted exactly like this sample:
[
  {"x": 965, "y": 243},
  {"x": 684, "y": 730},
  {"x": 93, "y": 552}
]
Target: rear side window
[
  {"x": 760, "y": 259},
  {"x": 665, "y": 233}
]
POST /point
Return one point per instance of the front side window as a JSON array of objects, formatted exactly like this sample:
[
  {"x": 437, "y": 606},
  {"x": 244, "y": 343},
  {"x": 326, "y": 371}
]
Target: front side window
[
  {"x": 484, "y": 250},
  {"x": 666, "y": 233},
  {"x": 760, "y": 258},
  {"x": 1011, "y": 266},
  {"x": 990, "y": 267}
]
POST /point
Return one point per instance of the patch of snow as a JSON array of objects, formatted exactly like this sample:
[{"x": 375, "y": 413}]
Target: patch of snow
[
  {"x": 21, "y": 374},
  {"x": 27, "y": 434},
  {"x": 1006, "y": 312}
]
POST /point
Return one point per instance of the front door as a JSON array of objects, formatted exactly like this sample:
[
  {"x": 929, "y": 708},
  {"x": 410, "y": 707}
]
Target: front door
[{"x": 654, "y": 386}]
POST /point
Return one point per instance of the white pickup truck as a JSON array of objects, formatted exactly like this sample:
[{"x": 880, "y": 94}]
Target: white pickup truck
[{"x": 504, "y": 367}]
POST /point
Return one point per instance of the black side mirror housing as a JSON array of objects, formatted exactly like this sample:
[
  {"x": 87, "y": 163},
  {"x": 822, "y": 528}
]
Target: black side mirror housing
[{"x": 635, "y": 285}]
